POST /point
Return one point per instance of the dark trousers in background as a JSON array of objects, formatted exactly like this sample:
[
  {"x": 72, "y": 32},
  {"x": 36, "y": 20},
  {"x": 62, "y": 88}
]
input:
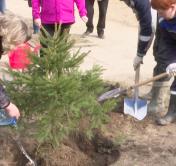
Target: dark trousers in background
[
  {"x": 102, "y": 5},
  {"x": 50, "y": 28}
]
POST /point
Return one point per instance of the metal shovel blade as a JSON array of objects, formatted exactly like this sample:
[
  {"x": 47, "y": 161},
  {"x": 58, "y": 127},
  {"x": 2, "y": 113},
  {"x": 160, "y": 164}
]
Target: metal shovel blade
[
  {"x": 111, "y": 94},
  {"x": 136, "y": 108}
]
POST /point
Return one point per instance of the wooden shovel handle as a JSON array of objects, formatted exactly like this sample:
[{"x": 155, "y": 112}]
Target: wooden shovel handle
[{"x": 148, "y": 80}]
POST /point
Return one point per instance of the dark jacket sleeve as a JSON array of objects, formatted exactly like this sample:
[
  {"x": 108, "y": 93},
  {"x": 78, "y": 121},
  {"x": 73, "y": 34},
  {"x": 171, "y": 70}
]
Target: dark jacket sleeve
[
  {"x": 143, "y": 12},
  {"x": 4, "y": 99}
]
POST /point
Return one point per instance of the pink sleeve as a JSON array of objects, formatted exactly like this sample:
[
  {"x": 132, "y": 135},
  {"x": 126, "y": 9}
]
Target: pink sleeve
[
  {"x": 81, "y": 7},
  {"x": 36, "y": 9}
]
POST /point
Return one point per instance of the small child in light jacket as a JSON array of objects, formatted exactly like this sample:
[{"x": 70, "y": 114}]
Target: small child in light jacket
[{"x": 13, "y": 32}]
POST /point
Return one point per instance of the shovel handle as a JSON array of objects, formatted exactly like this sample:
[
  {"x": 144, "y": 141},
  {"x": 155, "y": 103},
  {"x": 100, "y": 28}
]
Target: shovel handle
[
  {"x": 148, "y": 80},
  {"x": 118, "y": 91},
  {"x": 136, "y": 89}
]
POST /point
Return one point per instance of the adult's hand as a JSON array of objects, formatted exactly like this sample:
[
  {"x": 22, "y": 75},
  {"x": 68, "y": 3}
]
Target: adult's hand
[
  {"x": 84, "y": 19},
  {"x": 137, "y": 61}
]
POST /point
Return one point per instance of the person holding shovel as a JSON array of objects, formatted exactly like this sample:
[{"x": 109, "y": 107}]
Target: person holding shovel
[
  {"x": 147, "y": 17},
  {"x": 166, "y": 50},
  {"x": 159, "y": 94}
]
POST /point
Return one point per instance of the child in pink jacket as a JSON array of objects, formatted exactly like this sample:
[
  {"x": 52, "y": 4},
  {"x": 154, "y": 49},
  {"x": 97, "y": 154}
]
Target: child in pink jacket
[{"x": 50, "y": 12}]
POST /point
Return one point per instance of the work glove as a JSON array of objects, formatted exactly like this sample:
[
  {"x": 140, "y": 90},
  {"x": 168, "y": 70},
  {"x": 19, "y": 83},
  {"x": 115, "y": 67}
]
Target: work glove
[
  {"x": 171, "y": 69},
  {"x": 137, "y": 61},
  {"x": 84, "y": 19}
]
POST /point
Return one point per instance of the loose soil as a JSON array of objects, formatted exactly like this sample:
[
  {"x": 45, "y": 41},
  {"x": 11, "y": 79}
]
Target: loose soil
[{"x": 123, "y": 142}]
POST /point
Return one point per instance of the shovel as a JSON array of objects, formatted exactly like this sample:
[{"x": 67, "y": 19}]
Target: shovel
[
  {"x": 6, "y": 121},
  {"x": 119, "y": 91},
  {"x": 135, "y": 106}
]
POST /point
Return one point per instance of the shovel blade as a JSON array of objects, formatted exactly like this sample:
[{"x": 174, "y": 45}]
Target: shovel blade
[
  {"x": 138, "y": 112},
  {"x": 111, "y": 94}
]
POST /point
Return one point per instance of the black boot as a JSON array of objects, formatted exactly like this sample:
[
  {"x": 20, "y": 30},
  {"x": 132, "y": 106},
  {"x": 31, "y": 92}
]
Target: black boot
[
  {"x": 88, "y": 32},
  {"x": 171, "y": 114},
  {"x": 100, "y": 33}
]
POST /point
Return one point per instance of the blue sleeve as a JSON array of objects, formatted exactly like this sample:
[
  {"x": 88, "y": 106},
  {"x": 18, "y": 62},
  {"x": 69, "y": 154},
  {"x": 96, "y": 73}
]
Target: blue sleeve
[{"x": 143, "y": 12}]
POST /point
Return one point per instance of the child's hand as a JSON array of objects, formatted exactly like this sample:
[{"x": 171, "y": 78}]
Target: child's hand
[
  {"x": 171, "y": 69},
  {"x": 12, "y": 111},
  {"x": 85, "y": 19},
  {"x": 38, "y": 22}
]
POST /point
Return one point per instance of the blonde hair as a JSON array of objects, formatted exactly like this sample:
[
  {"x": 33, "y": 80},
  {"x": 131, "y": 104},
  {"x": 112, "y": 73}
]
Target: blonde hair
[{"x": 13, "y": 30}]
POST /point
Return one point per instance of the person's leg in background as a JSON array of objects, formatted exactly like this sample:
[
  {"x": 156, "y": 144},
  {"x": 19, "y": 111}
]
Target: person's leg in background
[
  {"x": 50, "y": 28},
  {"x": 103, "y": 5},
  {"x": 2, "y": 6},
  {"x": 65, "y": 28},
  {"x": 90, "y": 14}
]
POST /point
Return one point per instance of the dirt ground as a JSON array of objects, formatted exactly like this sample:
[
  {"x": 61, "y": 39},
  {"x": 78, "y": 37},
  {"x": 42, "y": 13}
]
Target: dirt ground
[
  {"x": 146, "y": 143},
  {"x": 139, "y": 143}
]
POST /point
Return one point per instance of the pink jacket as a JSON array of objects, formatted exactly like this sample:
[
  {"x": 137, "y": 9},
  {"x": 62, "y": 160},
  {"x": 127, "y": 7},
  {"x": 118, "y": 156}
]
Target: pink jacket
[{"x": 57, "y": 11}]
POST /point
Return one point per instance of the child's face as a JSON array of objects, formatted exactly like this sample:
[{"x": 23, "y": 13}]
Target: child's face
[{"x": 168, "y": 13}]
